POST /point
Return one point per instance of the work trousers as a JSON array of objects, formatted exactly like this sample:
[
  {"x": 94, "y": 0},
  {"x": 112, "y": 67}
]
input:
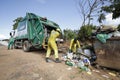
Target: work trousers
[
  {"x": 10, "y": 45},
  {"x": 52, "y": 45}
]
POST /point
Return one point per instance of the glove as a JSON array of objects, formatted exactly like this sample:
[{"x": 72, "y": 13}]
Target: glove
[{"x": 70, "y": 50}]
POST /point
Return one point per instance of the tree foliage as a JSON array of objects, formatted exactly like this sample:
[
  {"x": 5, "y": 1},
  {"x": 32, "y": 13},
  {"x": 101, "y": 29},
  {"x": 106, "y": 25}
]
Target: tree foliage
[
  {"x": 91, "y": 9},
  {"x": 101, "y": 18},
  {"x": 69, "y": 34},
  {"x": 113, "y": 7},
  {"x": 16, "y": 21},
  {"x": 86, "y": 31}
]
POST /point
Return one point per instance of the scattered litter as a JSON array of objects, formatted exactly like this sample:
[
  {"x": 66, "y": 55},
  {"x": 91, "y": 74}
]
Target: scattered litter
[
  {"x": 69, "y": 68},
  {"x": 84, "y": 64},
  {"x": 75, "y": 66},
  {"x": 96, "y": 71},
  {"x": 80, "y": 64},
  {"x": 64, "y": 58},
  {"x": 69, "y": 55},
  {"x": 105, "y": 76},
  {"x": 87, "y": 52},
  {"x": 77, "y": 61},
  {"x": 68, "y": 63},
  {"x": 112, "y": 74},
  {"x": 89, "y": 72}
]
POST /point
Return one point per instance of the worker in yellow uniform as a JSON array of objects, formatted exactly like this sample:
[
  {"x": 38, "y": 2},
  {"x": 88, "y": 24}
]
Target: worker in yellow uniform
[
  {"x": 52, "y": 45},
  {"x": 74, "y": 44}
]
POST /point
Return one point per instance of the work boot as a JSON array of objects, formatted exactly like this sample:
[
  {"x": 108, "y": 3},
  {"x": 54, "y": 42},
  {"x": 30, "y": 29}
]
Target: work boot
[
  {"x": 57, "y": 60},
  {"x": 47, "y": 60}
]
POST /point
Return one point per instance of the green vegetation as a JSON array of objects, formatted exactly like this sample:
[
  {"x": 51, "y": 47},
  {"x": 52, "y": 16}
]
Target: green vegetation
[
  {"x": 16, "y": 21},
  {"x": 85, "y": 32},
  {"x": 69, "y": 34},
  {"x": 114, "y": 8}
]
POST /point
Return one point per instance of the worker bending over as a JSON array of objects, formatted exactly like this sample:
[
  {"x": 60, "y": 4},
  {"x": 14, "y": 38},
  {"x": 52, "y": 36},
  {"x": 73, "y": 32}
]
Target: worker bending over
[
  {"x": 52, "y": 45},
  {"x": 74, "y": 45}
]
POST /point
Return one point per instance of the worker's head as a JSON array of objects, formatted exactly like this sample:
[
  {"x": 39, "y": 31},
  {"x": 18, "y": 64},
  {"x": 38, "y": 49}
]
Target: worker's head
[
  {"x": 58, "y": 30},
  {"x": 75, "y": 40}
]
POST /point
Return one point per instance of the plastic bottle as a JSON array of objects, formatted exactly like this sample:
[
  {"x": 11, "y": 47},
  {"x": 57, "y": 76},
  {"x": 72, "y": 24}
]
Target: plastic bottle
[{"x": 68, "y": 63}]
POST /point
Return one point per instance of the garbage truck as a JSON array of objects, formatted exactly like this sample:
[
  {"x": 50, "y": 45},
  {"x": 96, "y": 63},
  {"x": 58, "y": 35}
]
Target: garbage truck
[{"x": 33, "y": 32}]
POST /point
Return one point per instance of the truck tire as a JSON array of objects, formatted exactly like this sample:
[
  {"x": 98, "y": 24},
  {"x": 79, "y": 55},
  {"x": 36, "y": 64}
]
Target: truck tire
[
  {"x": 26, "y": 46},
  {"x": 15, "y": 46}
]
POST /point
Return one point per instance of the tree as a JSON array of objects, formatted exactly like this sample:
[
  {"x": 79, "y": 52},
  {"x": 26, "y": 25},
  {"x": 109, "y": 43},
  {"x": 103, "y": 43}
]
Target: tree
[
  {"x": 101, "y": 18},
  {"x": 89, "y": 10},
  {"x": 69, "y": 34},
  {"x": 113, "y": 7},
  {"x": 16, "y": 21},
  {"x": 86, "y": 31}
]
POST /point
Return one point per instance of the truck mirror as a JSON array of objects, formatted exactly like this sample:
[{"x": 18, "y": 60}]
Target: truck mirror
[{"x": 10, "y": 34}]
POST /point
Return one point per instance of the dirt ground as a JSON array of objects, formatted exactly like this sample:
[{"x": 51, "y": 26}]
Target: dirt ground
[{"x": 18, "y": 65}]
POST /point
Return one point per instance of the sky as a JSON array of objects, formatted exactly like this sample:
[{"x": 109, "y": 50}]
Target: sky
[{"x": 63, "y": 12}]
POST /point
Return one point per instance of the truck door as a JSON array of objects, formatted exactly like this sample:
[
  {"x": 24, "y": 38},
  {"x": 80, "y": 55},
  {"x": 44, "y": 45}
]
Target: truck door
[{"x": 35, "y": 30}]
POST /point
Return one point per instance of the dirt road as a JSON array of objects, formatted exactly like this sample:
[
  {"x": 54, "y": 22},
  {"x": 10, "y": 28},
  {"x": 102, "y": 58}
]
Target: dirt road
[{"x": 18, "y": 65}]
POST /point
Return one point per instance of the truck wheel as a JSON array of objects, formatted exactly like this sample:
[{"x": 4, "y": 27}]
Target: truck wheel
[
  {"x": 26, "y": 46},
  {"x": 15, "y": 46}
]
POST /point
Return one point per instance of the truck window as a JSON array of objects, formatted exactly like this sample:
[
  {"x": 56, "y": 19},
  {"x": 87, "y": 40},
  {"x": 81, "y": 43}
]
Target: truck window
[{"x": 22, "y": 25}]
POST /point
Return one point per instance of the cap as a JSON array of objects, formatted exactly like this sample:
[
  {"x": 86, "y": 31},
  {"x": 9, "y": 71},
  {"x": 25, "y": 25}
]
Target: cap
[{"x": 58, "y": 30}]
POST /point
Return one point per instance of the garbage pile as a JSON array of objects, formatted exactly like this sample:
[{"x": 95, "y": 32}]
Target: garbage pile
[
  {"x": 78, "y": 60},
  {"x": 106, "y": 32}
]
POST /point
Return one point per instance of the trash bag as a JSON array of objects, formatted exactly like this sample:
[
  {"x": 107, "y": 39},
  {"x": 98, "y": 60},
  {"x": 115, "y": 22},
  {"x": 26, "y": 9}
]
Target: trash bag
[
  {"x": 79, "y": 50},
  {"x": 93, "y": 58},
  {"x": 86, "y": 61},
  {"x": 70, "y": 55},
  {"x": 102, "y": 37},
  {"x": 87, "y": 52}
]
